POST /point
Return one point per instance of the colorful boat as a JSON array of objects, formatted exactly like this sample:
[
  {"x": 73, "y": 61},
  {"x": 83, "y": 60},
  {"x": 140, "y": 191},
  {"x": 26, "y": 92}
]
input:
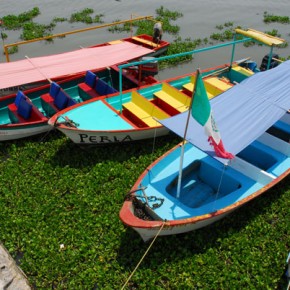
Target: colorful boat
[
  {"x": 30, "y": 116},
  {"x": 133, "y": 115},
  {"x": 42, "y": 70},
  {"x": 193, "y": 185},
  {"x": 67, "y": 84}
]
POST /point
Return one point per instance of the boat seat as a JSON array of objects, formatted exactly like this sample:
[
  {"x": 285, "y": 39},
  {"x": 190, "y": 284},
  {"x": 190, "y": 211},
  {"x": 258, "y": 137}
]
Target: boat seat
[
  {"x": 143, "y": 110},
  {"x": 57, "y": 99},
  {"x": 213, "y": 85},
  {"x": 242, "y": 70},
  {"x": 145, "y": 41},
  {"x": 238, "y": 73},
  {"x": 87, "y": 88},
  {"x": 102, "y": 88},
  {"x": 23, "y": 110},
  {"x": 173, "y": 97}
]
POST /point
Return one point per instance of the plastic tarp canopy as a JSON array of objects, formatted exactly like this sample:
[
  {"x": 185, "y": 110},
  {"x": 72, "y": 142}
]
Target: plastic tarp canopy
[
  {"x": 243, "y": 113},
  {"x": 40, "y": 68}
]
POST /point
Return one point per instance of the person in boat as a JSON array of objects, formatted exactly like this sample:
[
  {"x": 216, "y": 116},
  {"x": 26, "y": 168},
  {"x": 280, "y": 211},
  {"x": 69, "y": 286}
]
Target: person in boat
[{"x": 157, "y": 32}]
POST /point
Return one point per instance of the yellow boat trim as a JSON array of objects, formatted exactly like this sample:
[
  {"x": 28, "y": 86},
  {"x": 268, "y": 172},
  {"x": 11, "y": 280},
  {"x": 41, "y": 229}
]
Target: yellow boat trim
[{"x": 260, "y": 36}]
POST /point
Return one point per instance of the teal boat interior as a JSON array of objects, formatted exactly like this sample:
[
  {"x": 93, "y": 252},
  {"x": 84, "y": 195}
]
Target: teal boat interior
[{"x": 75, "y": 90}]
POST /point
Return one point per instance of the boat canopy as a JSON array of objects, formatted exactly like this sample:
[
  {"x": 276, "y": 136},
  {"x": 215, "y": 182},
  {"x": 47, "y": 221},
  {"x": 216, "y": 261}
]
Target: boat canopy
[
  {"x": 242, "y": 113},
  {"x": 260, "y": 36},
  {"x": 36, "y": 69}
]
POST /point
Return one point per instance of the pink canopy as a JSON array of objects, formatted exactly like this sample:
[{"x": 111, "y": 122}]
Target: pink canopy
[{"x": 40, "y": 68}]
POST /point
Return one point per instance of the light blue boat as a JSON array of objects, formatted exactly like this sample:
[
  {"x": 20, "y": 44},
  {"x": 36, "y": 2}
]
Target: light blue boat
[{"x": 190, "y": 187}]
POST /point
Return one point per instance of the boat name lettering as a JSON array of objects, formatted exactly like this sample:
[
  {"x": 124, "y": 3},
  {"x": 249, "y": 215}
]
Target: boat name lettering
[{"x": 103, "y": 139}]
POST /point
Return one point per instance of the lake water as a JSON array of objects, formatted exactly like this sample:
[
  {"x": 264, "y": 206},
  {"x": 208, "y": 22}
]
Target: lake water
[{"x": 199, "y": 20}]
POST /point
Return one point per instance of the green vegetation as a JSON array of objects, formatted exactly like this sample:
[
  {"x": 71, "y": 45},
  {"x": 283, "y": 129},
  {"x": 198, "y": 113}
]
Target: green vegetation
[
  {"x": 84, "y": 16},
  {"x": 268, "y": 18},
  {"x": 59, "y": 217},
  {"x": 60, "y": 203},
  {"x": 59, "y": 19},
  {"x": 13, "y": 49},
  {"x": 12, "y": 22},
  {"x": 33, "y": 30}
]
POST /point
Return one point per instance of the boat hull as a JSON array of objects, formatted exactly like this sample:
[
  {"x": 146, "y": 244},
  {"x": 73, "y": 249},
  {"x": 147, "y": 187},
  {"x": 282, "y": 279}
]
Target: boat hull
[
  {"x": 111, "y": 137},
  {"x": 167, "y": 228},
  {"x": 19, "y": 132}
]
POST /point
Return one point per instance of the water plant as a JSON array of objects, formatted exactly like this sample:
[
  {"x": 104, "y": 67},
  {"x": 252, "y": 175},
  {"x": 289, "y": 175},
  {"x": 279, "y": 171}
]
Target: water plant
[
  {"x": 85, "y": 17},
  {"x": 12, "y": 22},
  {"x": 268, "y": 18},
  {"x": 59, "y": 217},
  {"x": 33, "y": 30}
]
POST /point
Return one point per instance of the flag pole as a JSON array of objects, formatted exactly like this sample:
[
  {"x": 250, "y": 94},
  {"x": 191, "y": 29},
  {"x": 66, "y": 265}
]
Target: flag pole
[{"x": 184, "y": 136}]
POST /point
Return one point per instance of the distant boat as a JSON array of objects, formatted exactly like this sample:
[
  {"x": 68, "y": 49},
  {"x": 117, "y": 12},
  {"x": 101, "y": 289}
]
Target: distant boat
[
  {"x": 37, "y": 71},
  {"x": 193, "y": 185}
]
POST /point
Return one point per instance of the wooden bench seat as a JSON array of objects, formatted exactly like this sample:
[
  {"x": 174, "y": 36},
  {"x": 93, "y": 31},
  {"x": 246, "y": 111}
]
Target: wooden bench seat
[
  {"x": 242, "y": 70},
  {"x": 173, "y": 97},
  {"x": 213, "y": 85},
  {"x": 145, "y": 41},
  {"x": 144, "y": 110}
]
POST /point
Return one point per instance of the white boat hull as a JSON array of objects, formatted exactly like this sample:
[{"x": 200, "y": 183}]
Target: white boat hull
[
  {"x": 149, "y": 233},
  {"x": 18, "y": 133},
  {"x": 83, "y": 137}
]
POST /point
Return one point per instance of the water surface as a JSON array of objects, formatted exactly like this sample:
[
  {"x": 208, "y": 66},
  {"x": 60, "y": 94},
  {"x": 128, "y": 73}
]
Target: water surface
[{"x": 199, "y": 20}]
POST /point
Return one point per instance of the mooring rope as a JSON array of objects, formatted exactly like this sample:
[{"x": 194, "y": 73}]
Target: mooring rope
[
  {"x": 151, "y": 244},
  {"x": 154, "y": 141}
]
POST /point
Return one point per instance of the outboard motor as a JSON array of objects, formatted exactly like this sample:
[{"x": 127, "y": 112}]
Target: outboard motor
[
  {"x": 150, "y": 68},
  {"x": 273, "y": 62}
]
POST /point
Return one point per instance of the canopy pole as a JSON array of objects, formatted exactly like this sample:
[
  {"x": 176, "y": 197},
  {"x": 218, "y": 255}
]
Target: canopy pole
[
  {"x": 184, "y": 136},
  {"x": 120, "y": 89},
  {"x": 270, "y": 57},
  {"x": 233, "y": 50},
  {"x": 50, "y": 81}
]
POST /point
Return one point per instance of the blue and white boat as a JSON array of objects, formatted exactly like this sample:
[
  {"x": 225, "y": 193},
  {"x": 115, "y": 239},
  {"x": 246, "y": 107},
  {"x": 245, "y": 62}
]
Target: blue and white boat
[{"x": 190, "y": 187}]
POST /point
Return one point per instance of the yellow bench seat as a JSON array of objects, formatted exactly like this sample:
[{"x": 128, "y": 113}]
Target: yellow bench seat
[
  {"x": 165, "y": 97},
  {"x": 145, "y": 41},
  {"x": 144, "y": 110},
  {"x": 189, "y": 87},
  {"x": 173, "y": 97},
  {"x": 213, "y": 85},
  {"x": 243, "y": 70},
  {"x": 216, "y": 82}
]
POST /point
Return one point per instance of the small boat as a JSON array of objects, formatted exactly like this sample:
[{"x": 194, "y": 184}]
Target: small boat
[
  {"x": 134, "y": 115},
  {"x": 27, "y": 113},
  {"x": 42, "y": 70},
  {"x": 199, "y": 182}
]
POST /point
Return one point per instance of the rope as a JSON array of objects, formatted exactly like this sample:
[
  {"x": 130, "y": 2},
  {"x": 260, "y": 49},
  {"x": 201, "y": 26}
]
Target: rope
[
  {"x": 151, "y": 244},
  {"x": 154, "y": 140},
  {"x": 218, "y": 190}
]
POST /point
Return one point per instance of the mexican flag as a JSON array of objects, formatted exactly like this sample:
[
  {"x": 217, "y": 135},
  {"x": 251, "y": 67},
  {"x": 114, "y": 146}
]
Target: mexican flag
[{"x": 202, "y": 113}]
